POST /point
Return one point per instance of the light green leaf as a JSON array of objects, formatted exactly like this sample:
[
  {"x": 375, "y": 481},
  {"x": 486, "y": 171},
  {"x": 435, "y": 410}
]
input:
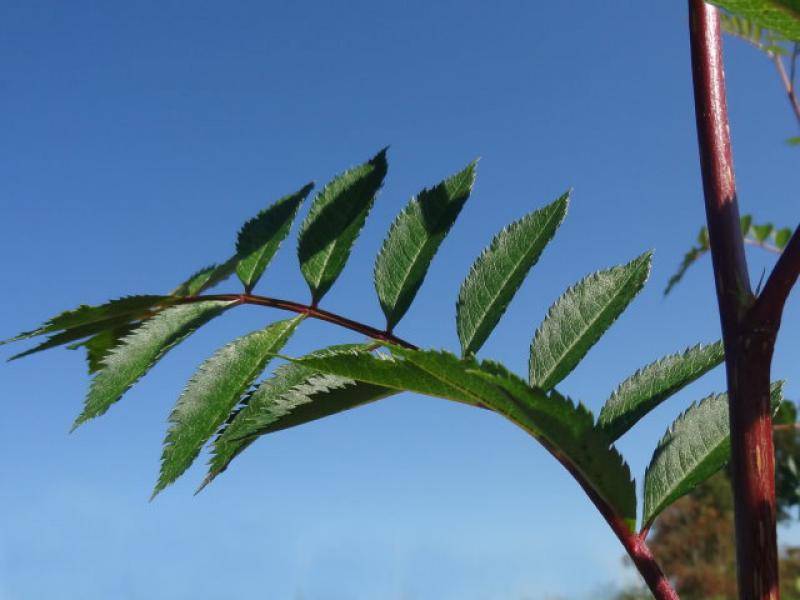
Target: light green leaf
[
  {"x": 294, "y": 395},
  {"x": 413, "y": 240},
  {"x": 334, "y": 222},
  {"x": 100, "y": 345},
  {"x": 782, "y": 237},
  {"x": 745, "y": 222},
  {"x": 206, "y": 278},
  {"x": 761, "y": 232},
  {"x": 500, "y": 270},
  {"x": 213, "y": 392},
  {"x": 649, "y": 386},
  {"x": 696, "y": 446},
  {"x": 578, "y": 319},
  {"x": 87, "y": 320},
  {"x": 260, "y": 238},
  {"x": 126, "y": 363},
  {"x": 782, "y": 16}
]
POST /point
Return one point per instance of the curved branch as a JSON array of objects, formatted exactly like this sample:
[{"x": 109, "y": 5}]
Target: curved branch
[
  {"x": 768, "y": 309},
  {"x": 305, "y": 309}
]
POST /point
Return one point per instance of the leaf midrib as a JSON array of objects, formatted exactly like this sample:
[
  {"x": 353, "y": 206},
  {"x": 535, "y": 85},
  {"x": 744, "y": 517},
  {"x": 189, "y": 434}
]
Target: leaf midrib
[
  {"x": 513, "y": 274},
  {"x": 602, "y": 313}
]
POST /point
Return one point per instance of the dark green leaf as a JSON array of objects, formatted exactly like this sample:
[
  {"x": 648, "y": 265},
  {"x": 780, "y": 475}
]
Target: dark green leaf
[
  {"x": 294, "y": 395},
  {"x": 564, "y": 429},
  {"x": 688, "y": 260},
  {"x": 745, "y": 222},
  {"x": 500, "y": 270},
  {"x": 578, "y": 319},
  {"x": 212, "y": 393},
  {"x": 383, "y": 370},
  {"x": 335, "y": 220},
  {"x": 96, "y": 318},
  {"x": 127, "y": 362},
  {"x": 651, "y": 385},
  {"x": 782, "y": 16},
  {"x": 260, "y": 238},
  {"x": 782, "y": 237},
  {"x": 413, "y": 240},
  {"x": 696, "y": 446},
  {"x": 206, "y": 278},
  {"x": 793, "y": 141}
]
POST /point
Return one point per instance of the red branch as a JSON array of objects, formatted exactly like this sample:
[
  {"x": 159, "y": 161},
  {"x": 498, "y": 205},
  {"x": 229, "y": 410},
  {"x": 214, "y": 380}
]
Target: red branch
[
  {"x": 748, "y": 333},
  {"x": 310, "y": 311}
]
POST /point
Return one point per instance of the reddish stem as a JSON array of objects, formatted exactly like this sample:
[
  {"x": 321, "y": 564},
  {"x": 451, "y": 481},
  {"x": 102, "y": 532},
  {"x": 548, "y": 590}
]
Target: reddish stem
[
  {"x": 308, "y": 310},
  {"x": 748, "y": 335}
]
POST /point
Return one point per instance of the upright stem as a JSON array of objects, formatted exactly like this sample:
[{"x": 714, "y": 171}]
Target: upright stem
[{"x": 748, "y": 342}]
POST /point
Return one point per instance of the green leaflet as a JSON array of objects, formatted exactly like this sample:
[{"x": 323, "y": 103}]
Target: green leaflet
[
  {"x": 649, "y": 386},
  {"x": 87, "y": 320},
  {"x": 388, "y": 371},
  {"x": 138, "y": 352},
  {"x": 334, "y": 222},
  {"x": 565, "y": 430},
  {"x": 294, "y": 395},
  {"x": 696, "y": 446},
  {"x": 260, "y": 238},
  {"x": 100, "y": 345},
  {"x": 213, "y": 392},
  {"x": 782, "y": 237},
  {"x": 781, "y": 16},
  {"x": 413, "y": 240},
  {"x": 499, "y": 271},
  {"x": 206, "y": 278},
  {"x": 568, "y": 432},
  {"x": 580, "y": 316}
]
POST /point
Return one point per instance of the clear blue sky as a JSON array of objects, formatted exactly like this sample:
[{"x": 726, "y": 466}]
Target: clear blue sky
[{"x": 135, "y": 138}]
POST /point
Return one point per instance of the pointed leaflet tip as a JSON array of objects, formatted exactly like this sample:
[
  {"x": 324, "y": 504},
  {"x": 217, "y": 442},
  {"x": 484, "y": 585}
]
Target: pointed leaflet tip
[
  {"x": 577, "y": 320},
  {"x": 334, "y": 221},
  {"x": 127, "y": 362},
  {"x": 260, "y": 238},
  {"x": 499, "y": 271},
  {"x": 413, "y": 240},
  {"x": 652, "y": 384},
  {"x": 214, "y": 391}
]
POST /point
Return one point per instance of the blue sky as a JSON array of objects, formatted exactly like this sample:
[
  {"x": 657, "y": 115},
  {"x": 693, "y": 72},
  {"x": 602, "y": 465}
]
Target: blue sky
[{"x": 137, "y": 137}]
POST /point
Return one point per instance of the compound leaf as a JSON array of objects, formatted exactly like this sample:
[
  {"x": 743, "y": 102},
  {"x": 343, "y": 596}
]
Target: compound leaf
[
  {"x": 260, "y": 238},
  {"x": 413, "y": 240},
  {"x": 649, "y": 386},
  {"x": 127, "y": 362},
  {"x": 580, "y": 316},
  {"x": 334, "y": 221},
  {"x": 500, "y": 270},
  {"x": 213, "y": 392},
  {"x": 696, "y": 446}
]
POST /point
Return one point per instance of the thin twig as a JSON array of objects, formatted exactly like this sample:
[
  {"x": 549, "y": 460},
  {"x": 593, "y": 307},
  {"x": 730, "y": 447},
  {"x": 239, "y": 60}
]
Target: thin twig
[
  {"x": 788, "y": 83},
  {"x": 762, "y": 245},
  {"x": 305, "y": 309},
  {"x": 767, "y": 311}
]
